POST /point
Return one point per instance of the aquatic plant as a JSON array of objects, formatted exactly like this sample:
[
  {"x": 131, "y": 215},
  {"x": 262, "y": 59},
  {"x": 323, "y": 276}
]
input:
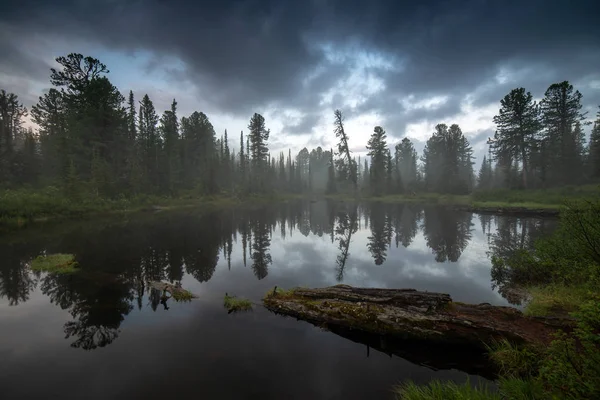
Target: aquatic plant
[
  {"x": 55, "y": 263},
  {"x": 182, "y": 295},
  {"x": 235, "y": 304}
]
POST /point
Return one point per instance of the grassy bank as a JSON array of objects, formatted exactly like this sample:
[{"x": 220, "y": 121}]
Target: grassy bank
[
  {"x": 562, "y": 275},
  {"x": 18, "y": 207},
  {"x": 539, "y": 199}
]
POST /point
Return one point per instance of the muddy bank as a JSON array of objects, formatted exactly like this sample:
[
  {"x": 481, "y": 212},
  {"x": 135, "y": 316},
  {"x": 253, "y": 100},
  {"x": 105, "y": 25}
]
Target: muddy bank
[{"x": 410, "y": 314}]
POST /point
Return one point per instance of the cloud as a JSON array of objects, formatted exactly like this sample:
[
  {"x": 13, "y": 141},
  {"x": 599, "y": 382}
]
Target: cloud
[{"x": 370, "y": 59}]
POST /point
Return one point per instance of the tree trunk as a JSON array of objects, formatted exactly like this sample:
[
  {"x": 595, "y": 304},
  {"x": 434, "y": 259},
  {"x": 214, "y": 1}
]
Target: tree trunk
[{"x": 407, "y": 313}]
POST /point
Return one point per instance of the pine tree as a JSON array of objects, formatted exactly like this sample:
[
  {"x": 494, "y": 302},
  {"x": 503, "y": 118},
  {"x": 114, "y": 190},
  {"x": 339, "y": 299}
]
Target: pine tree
[
  {"x": 448, "y": 161},
  {"x": 259, "y": 151},
  {"x": 485, "y": 177},
  {"x": 243, "y": 172},
  {"x": 169, "y": 128},
  {"x": 346, "y": 166},
  {"x": 378, "y": 151},
  {"x": 148, "y": 140},
  {"x": 131, "y": 117},
  {"x": 331, "y": 186},
  {"x": 561, "y": 109},
  {"x": 594, "y": 150},
  {"x": 50, "y": 115},
  {"x": 518, "y": 126},
  {"x": 12, "y": 112},
  {"x": 405, "y": 158}
]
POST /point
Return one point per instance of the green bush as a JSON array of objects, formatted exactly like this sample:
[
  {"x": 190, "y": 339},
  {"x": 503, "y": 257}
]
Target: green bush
[
  {"x": 571, "y": 256},
  {"x": 571, "y": 368}
]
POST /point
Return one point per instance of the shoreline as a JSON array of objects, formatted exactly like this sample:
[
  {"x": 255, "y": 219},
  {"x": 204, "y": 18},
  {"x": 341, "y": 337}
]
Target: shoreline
[{"x": 22, "y": 207}]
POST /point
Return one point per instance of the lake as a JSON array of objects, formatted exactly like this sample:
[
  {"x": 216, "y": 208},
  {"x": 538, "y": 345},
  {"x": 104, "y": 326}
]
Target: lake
[{"x": 103, "y": 333}]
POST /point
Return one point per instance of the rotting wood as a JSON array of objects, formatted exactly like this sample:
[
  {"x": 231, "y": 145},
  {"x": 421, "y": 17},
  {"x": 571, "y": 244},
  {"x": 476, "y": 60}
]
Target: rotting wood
[{"x": 407, "y": 313}]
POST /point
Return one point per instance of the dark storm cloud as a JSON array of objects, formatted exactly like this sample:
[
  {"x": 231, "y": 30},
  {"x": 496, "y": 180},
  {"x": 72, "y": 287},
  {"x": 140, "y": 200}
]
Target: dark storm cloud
[
  {"x": 303, "y": 127},
  {"x": 247, "y": 55}
]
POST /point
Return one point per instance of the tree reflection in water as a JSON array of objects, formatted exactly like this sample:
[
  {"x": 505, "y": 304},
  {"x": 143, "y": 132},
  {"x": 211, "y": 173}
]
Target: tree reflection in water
[{"x": 119, "y": 258}]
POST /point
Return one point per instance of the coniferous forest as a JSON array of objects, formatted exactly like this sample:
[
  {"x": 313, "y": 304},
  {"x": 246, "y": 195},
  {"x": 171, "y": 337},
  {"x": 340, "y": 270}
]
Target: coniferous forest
[{"x": 92, "y": 140}]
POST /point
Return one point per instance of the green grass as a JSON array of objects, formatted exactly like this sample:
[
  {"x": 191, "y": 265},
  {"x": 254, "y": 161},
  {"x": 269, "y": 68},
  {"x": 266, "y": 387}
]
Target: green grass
[
  {"x": 535, "y": 199},
  {"x": 235, "y": 304},
  {"x": 556, "y": 299},
  {"x": 553, "y": 197},
  {"x": 436, "y": 390},
  {"x": 514, "y": 360},
  {"x": 506, "y": 204},
  {"x": 279, "y": 292},
  {"x": 55, "y": 263},
  {"x": 182, "y": 295},
  {"x": 521, "y": 389},
  {"x": 21, "y": 206}
]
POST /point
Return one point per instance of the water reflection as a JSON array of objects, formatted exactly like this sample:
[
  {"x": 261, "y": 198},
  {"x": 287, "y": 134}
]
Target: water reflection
[
  {"x": 507, "y": 235},
  {"x": 447, "y": 233},
  {"x": 119, "y": 258},
  {"x": 347, "y": 225}
]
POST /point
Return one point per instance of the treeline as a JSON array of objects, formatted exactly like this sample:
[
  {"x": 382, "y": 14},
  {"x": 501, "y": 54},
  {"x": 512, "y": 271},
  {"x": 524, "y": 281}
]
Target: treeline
[
  {"x": 92, "y": 141},
  {"x": 538, "y": 145}
]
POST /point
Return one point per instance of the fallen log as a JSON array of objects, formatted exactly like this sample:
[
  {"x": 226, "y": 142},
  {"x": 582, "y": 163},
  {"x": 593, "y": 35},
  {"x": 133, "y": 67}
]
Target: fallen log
[{"x": 410, "y": 314}]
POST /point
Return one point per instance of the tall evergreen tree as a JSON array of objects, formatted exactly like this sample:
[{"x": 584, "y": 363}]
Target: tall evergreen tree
[
  {"x": 148, "y": 140},
  {"x": 378, "y": 151},
  {"x": 258, "y": 136},
  {"x": 12, "y": 112},
  {"x": 405, "y": 158},
  {"x": 517, "y": 128},
  {"x": 346, "y": 167},
  {"x": 169, "y": 128},
  {"x": 561, "y": 109},
  {"x": 485, "y": 177},
  {"x": 331, "y": 186},
  {"x": 594, "y": 150}
]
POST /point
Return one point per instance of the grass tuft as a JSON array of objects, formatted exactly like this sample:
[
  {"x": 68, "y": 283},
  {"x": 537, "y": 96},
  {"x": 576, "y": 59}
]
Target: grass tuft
[
  {"x": 182, "y": 295},
  {"x": 435, "y": 390},
  {"x": 55, "y": 263},
  {"x": 234, "y": 304},
  {"x": 279, "y": 292},
  {"x": 521, "y": 389},
  {"x": 513, "y": 360}
]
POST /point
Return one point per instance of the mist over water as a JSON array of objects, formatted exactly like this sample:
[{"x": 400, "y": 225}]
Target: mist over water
[{"x": 104, "y": 333}]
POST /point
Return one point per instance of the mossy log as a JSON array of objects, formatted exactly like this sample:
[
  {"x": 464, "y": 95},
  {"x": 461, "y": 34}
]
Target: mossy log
[{"x": 407, "y": 313}]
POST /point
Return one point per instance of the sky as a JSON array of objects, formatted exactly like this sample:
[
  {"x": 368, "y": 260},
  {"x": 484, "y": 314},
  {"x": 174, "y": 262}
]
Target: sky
[{"x": 402, "y": 65}]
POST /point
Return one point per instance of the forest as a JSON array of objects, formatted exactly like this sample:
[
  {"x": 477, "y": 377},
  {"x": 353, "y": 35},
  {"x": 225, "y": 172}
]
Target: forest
[{"x": 92, "y": 141}]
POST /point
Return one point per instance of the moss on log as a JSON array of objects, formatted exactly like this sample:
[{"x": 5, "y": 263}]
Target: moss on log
[{"x": 410, "y": 314}]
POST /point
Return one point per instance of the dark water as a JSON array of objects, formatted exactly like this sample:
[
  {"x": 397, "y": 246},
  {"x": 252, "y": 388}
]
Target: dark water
[{"x": 104, "y": 334}]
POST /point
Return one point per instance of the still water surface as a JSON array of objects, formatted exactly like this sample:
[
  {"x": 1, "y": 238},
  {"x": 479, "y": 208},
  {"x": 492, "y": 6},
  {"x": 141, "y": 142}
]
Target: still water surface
[{"x": 104, "y": 334}]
